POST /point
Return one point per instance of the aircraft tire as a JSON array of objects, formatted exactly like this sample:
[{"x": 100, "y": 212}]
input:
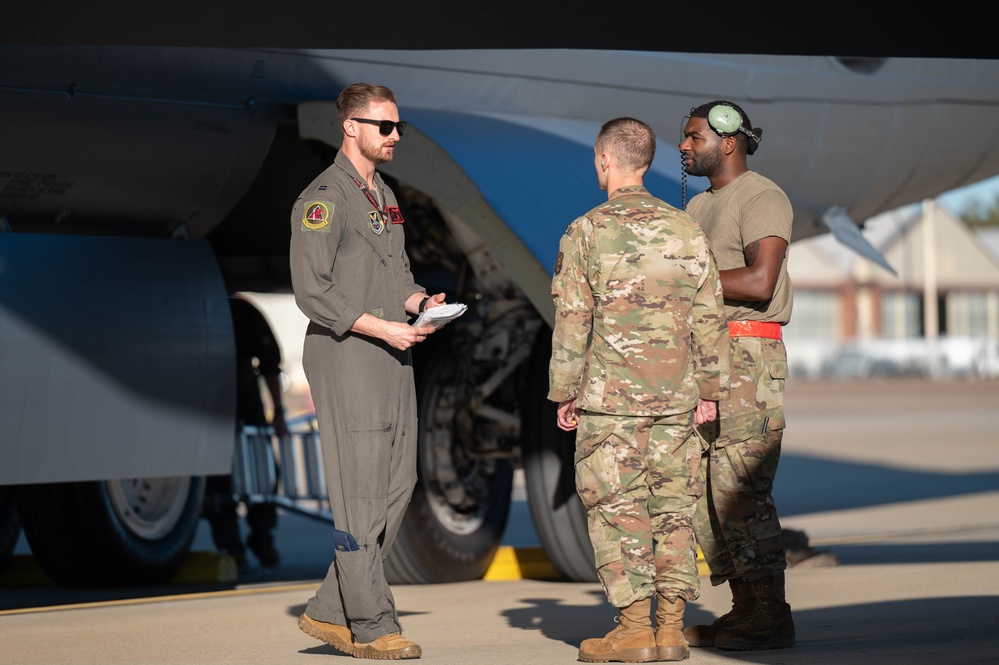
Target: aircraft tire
[
  {"x": 10, "y": 525},
  {"x": 558, "y": 515},
  {"x": 92, "y": 533},
  {"x": 448, "y": 537}
]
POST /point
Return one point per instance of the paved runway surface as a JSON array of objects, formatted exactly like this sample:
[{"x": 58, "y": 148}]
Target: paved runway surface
[{"x": 897, "y": 479}]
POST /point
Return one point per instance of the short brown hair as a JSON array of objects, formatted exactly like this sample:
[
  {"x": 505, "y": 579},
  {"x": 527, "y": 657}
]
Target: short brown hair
[
  {"x": 631, "y": 141},
  {"x": 355, "y": 98}
]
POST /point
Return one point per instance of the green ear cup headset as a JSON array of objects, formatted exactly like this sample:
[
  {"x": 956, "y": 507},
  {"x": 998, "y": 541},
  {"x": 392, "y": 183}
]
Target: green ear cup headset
[{"x": 726, "y": 121}]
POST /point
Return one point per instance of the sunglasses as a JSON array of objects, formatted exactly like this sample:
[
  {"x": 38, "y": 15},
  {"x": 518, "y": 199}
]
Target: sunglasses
[{"x": 385, "y": 127}]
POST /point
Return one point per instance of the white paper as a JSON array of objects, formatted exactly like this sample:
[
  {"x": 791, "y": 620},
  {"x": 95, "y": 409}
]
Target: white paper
[{"x": 438, "y": 316}]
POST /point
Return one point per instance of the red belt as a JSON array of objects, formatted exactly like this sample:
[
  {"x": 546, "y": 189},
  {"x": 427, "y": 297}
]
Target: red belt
[{"x": 765, "y": 329}]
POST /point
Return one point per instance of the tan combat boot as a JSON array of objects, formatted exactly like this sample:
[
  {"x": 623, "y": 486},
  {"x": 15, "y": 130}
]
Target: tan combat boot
[
  {"x": 670, "y": 644},
  {"x": 633, "y": 641},
  {"x": 768, "y": 626},
  {"x": 336, "y": 636},
  {"x": 388, "y": 647},
  {"x": 742, "y": 605}
]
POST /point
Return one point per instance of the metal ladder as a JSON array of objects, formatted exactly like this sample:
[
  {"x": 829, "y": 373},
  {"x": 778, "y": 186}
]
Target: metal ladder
[{"x": 285, "y": 471}]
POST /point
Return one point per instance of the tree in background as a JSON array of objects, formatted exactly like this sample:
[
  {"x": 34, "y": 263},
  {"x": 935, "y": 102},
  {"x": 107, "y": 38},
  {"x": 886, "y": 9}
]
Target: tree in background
[{"x": 978, "y": 215}]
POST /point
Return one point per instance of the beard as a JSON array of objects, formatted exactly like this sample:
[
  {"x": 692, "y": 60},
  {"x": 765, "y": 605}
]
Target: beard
[
  {"x": 706, "y": 165},
  {"x": 375, "y": 152}
]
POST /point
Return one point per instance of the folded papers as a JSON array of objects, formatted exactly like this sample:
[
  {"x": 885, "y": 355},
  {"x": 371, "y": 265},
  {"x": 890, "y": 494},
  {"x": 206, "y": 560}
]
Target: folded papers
[{"x": 438, "y": 316}]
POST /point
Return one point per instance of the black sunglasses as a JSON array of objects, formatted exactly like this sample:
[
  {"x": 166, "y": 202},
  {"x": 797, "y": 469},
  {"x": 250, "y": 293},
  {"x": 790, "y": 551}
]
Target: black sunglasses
[{"x": 385, "y": 127}]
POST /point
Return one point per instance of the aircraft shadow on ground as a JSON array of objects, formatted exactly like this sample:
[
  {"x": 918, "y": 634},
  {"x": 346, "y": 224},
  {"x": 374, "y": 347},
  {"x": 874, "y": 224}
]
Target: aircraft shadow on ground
[
  {"x": 806, "y": 484},
  {"x": 910, "y": 631}
]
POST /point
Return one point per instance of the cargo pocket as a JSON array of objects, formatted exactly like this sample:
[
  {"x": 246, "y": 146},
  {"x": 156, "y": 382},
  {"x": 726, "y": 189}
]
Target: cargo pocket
[
  {"x": 367, "y": 455},
  {"x": 595, "y": 480},
  {"x": 765, "y": 395},
  {"x": 606, "y": 548}
]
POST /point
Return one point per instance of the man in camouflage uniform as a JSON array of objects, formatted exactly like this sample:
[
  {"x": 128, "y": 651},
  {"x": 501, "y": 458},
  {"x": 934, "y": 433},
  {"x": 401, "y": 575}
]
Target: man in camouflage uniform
[
  {"x": 639, "y": 355},
  {"x": 747, "y": 218}
]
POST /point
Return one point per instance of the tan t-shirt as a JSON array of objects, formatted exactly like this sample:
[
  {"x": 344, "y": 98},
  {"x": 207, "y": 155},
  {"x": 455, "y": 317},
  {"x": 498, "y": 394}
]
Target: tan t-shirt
[{"x": 749, "y": 208}]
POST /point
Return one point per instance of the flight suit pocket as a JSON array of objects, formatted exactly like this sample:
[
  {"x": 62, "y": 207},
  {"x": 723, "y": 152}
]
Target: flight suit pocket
[{"x": 368, "y": 453}]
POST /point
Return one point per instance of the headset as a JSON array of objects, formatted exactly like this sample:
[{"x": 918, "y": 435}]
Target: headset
[{"x": 725, "y": 120}]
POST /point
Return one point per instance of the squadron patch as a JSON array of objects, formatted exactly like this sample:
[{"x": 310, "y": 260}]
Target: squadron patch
[
  {"x": 558, "y": 263},
  {"x": 395, "y": 215},
  {"x": 317, "y": 217},
  {"x": 377, "y": 225}
]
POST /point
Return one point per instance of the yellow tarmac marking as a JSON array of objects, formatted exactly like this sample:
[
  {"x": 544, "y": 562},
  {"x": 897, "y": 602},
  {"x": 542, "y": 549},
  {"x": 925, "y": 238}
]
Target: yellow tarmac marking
[{"x": 509, "y": 563}]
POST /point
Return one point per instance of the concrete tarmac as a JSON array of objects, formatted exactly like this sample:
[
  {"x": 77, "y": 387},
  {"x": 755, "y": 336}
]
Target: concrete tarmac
[{"x": 895, "y": 483}]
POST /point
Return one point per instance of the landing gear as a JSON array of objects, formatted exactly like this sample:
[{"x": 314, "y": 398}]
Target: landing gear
[{"x": 111, "y": 533}]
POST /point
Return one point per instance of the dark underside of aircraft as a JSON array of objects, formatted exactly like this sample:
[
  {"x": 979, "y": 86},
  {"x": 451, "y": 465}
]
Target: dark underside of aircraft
[{"x": 876, "y": 30}]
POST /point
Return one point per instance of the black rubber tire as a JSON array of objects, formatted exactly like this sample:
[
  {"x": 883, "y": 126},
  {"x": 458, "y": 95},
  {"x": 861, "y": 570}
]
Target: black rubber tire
[
  {"x": 10, "y": 525},
  {"x": 559, "y": 516},
  {"x": 81, "y": 539},
  {"x": 427, "y": 549}
]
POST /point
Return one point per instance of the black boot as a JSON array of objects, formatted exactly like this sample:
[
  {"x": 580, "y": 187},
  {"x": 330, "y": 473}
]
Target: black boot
[
  {"x": 742, "y": 606},
  {"x": 768, "y": 626}
]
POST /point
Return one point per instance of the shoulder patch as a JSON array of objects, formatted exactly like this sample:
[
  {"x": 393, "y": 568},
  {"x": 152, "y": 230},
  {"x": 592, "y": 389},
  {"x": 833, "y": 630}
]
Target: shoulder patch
[
  {"x": 317, "y": 217},
  {"x": 558, "y": 263}
]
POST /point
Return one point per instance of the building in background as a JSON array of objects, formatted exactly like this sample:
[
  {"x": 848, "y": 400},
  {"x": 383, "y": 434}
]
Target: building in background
[{"x": 938, "y": 315}]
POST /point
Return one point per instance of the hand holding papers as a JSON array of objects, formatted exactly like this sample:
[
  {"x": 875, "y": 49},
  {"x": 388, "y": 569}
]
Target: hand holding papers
[{"x": 438, "y": 316}]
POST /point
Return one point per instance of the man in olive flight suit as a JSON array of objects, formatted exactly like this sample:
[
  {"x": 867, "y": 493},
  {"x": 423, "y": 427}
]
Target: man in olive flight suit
[{"x": 351, "y": 277}]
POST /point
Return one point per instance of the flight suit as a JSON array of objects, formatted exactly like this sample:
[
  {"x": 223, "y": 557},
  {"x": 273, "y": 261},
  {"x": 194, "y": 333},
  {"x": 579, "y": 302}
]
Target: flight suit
[{"x": 347, "y": 257}]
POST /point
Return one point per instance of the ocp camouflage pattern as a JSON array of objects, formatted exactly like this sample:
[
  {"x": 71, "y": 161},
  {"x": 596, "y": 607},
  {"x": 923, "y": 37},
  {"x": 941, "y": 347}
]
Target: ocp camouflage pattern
[
  {"x": 639, "y": 486},
  {"x": 640, "y": 325},
  {"x": 741, "y": 536}
]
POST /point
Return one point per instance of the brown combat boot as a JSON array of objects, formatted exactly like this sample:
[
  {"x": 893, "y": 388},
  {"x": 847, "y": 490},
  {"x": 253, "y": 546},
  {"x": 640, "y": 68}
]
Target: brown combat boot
[
  {"x": 742, "y": 605},
  {"x": 670, "y": 644},
  {"x": 388, "y": 647},
  {"x": 768, "y": 626},
  {"x": 633, "y": 641},
  {"x": 338, "y": 637}
]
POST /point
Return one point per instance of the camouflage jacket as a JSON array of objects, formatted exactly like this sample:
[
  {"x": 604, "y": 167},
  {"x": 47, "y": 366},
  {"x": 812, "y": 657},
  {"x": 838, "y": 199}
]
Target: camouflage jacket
[{"x": 640, "y": 325}]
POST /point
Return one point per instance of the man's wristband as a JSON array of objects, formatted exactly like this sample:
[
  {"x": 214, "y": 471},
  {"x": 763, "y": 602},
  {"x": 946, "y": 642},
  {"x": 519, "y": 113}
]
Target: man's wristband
[{"x": 423, "y": 305}]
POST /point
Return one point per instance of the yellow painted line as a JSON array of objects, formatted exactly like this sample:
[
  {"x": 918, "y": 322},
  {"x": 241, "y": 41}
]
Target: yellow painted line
[
  {"x": 207, "y": 568},
  {"x": 702, "y": 565},
  {"x": 532, "y": 563},
  {"x": 517, "y": 563}
]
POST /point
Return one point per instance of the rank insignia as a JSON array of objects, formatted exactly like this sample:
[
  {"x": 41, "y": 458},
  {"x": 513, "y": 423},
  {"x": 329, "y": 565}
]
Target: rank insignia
[
  {"x": 317, "y": 217},
  {"x": 558, "y": 263},
  {"x": 395, "y": 215},
  {"x": 377, "y": 225}
]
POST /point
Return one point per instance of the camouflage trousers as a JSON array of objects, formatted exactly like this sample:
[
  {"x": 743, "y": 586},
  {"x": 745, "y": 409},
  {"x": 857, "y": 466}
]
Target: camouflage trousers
[
  {"x": 639, "y": 481},
  {"x": 736, "y": 520}
]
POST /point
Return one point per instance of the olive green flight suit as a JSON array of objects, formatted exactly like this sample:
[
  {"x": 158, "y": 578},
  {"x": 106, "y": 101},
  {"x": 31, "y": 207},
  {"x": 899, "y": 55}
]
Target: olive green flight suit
[{"x": 346, "y": 259}]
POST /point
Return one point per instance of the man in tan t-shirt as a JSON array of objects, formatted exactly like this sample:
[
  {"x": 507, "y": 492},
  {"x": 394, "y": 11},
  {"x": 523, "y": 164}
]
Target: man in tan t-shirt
[{"x": 747, "y": 219}]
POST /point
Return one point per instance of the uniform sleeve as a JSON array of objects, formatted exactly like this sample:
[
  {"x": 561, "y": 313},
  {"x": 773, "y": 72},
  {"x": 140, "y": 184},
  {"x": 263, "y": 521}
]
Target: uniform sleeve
[
  {"x": 767, "y": 214},
  {"x": 573, "y": 299},
  {"x": 709, "y": 335},
  {"x": 312, "y": 255}
]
